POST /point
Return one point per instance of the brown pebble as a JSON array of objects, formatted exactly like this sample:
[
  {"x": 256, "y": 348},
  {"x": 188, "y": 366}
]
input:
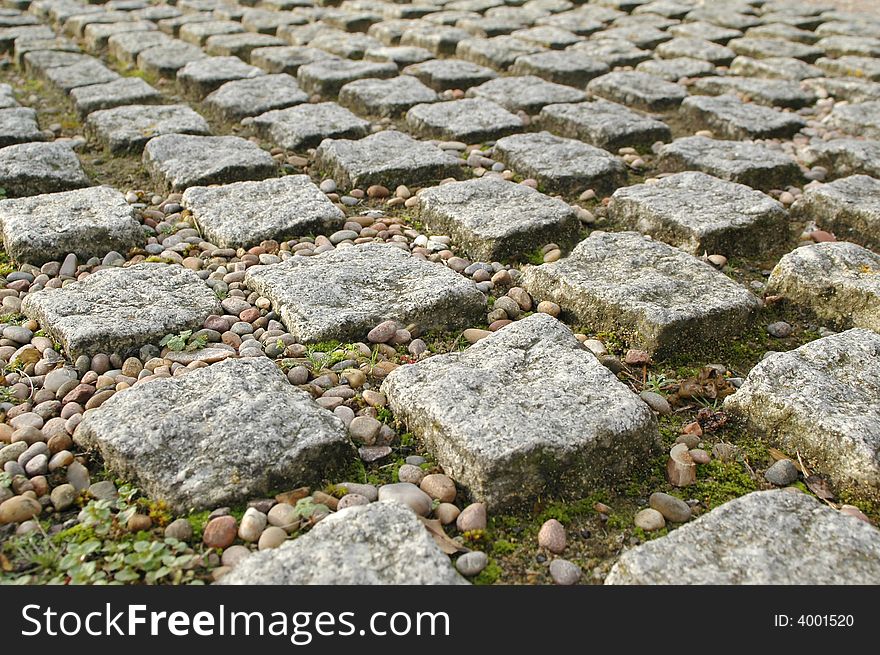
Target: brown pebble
[{"x": 552, "y": 536}]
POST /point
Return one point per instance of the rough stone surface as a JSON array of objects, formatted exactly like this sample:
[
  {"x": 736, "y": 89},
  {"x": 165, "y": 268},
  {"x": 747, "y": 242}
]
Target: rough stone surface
[
  {"x": 848, "y": 207},
  {"x": 226, "y": 433},
  {"x": 129, "y": 128},
  {"x": 83, "y": 73},
  {"x": 376, "y": 544},
  {"x": 88, "y": 222},
  {"x": 839, "y": 282},
  {"x": 305, "y": 126},
  {"x": 326, "y": 77},
  {"x": 701, "y": 213},
  {"x": 445, "y": 74},
  {"x": 387, "y": 98},
  {"x": 656, "y": 297},
  {"x": 752, "y": 164},
  {"x": 167, "y": 60},
  {"x": 820, "y": 400},
  {"x": 842, "y": 157},
  {"x": 124, "y": 91},
  {"x": 345, "y": 293},
  {"x": 525, "y": 93},
  {"x": 388, "y": 158},
  {"x": 243, "y": 214},
  {"x": 764, "y": 538},
  {"x": 118, "y": 310},
  {"x": 27, "y": 169},
  {"x": 638, "y": 90},
  {"x": 178, "y": 161},
  {"x": 470, "y": 120},
  {"x": 603, "y": 124},
  {"x": 569, "y": 67},
  {"x": 590, "y": 427},
  {"x": 730, "y": 118},
  {"x": 252, "y": 96},
  {"x": 286, "y": 59},
  {"x": 777, "y": 93},
  {"x": 560, "y": 164},
  {"x": 490, "y": 219},
  {"x": 198, "y": 78},
  {"x": 19, "y": 125}
]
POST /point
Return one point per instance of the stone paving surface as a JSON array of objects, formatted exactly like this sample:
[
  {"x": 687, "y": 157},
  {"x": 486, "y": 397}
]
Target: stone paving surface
[{"x": 478, "y": 254}]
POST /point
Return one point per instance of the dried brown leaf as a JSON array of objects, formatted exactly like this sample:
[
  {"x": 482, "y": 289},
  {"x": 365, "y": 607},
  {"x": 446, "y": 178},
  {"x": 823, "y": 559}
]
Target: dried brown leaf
[
  {"x": 447, "y": 545},
  {"x": 820, "y": 487}
]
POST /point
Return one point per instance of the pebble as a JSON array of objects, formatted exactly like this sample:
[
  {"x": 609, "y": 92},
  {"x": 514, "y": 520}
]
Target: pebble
[
  {"x": 220, "y": 532},
  {"x": 78, "y": 476},
  {"x": 547, "y": 307},
  {"x": 284, "y": 516},
  {"x": 472, "y": 335},
  {"x": 699, "y": 456},
  {"x": 439, "y": 486},
  {"x": 656, "y": 402},
  {"x": 446, "y": 513},
  {"x": 552, "y": 536},
  {"x": 649, "y": 520},
  {"x": 272, "y": 537},
  {"x": 368, "y": 491},
  {"x": 103, "y": 490},
  {"x": 472, "y": 517},
  {"x": 564, "y": 572},
  {"x": 781, "y": 473},
  {"x": 472, "y": 563},
  {"x": 780, "y": 329},
  {"x": 63, "y": 496},
  {"x": 364, "y": 429},
  {"x": 351, "y": 500},
  {"x": 383, "y": 332},
  {"x": 672, "y": 508},
  {"x": 139, "y": 523},
  {"x": 410, "y": 473},
  {"x": 408, "y": 494},
  {"x": 18, "y": 509},
  {"x": 234, "y": 555},
  {"x": 252, "y": 524},
  {"x": 179, "y": 529}
]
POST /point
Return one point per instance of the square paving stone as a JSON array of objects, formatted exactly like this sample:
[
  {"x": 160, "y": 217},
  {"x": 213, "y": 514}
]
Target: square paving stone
[
  {"x": 38, "y": 61},
  {"x": 198, "y": 78},
  {"x": 470, "y": 120},
  {"x": 557, "y": 430},
  {"x": 759, "y": 48},
  {"x": 570, "y": 67},
  {"x": 118, "y": 310},
  {"x": 24, "y": 46},
  {"x": 304, "y": 34},
  {"x": 491, "y": 26},
  {"x": 820, "y": 400},
  {"x": 439, "y": 39},
  {"x": 492, "y": 219},
  {"x": 858, "y": 119},
  {"x": 776, "y": 93},
  {"x": 676, "y": 68},
  {"x": 701, "y": 213},
  {"x": 843, "y": 88},
  {"x": 641, "y": 36},
  {"x": 125, "y": 47},
  {"x": 388, "y": 98},
  {"x": 240, "y": 45},
  {"x": 243, "y": 214},
  {"x": 561, "y": 165},
  {"x": 499, "y": 52},
  {"x": 729, "y": 117},
  {"x": 267, "y": 22},
  {"x": 837, "y": 282},
  {"x": 123, "y": 91},
  {"x": 27, "y": 169},
  {"x": 723, "y": 16},
  {"x": 445, "y": 74},
  {"x": 752, "y": 164},
  {"x": 96, "y": 35},
  {"x": 603, "y": 124},
  {"x": 88, "y": 71},
  {"x": 547, "y": 36},
  {"x": 612, "y": 52},
  {"x": 861, "y": 67},
  {"x": 286, "y": 59},
  {"x": 389, "y": 32},
  {"x": 784, "y": 32},
  {"x": 326, "y": 77},
  {"x": 848, "y": 207},
  {"x": 128, "y": 128},
  {"x": 578, "y": 22},
  {"x": 714, "y": 53},
  {"x": 638, "y": 90},
  {"x": 527, "y": 93},
  {"x": 8, "y": 35},
  {"x": 198, "y": 33},
  {"x": 167, "y": 60},
  {"x": 842, "y": 157},
  {"x": 388, "y": 158},
  {"x": 654, "y": 296},
  {"x": 89, "y": 222},
  {"x": 75, "y": 25},
  {"x": 178, "y": 161},
  {"x": 228, "y": 432},
  {"x": 774, "y": 67},
  {"x": 403, "y": 55},
  {"x": 841, "y": 46},
  {"x": 19, "y": 125},
  {"x": 347, "y": 46},
  {"x": 250, "y": 97},
  {"x": 306, "y": 125},
  {"x": 344, "y": 293}
]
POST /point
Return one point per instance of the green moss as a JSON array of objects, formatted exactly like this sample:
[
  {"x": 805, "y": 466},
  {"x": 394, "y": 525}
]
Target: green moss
[
  {"x": 717, "y": 482},
  {"x": 503, "y": 547},
  {"x": 489, "y": 575},
  {"x": 198, "y": 521}
]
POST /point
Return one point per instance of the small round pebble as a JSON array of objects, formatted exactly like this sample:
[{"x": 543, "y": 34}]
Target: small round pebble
[
  {"x": 472, "y": 563},
  {"x": 781, "y": 473},
  {"x": 649, "y": 520},
  {"x": 552, "y": 536},
  {"x": 564, "y": 572}
]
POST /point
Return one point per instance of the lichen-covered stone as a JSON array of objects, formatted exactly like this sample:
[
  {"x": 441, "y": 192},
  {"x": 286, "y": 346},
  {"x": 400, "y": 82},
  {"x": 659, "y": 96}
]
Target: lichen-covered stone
[
  {"x": 380, "y": 543},
  {"x": 638, "y": 90},
  {"x": 526, "y": 93},
  {"x": 701, "y": 213},
  {"x": 129, "y": 128},
  {"x": 470, "y": 120},
  {"x": 555, "y": 430},
  {"x": 344, "y": 293},
  {"x": 843, "y": 157},
  {"x": 227, "y": 432},
  {"x": 88, "y": 222},
  {"x": 243, "y": 214},
  {"x": 118, "y": 310},
  {"x": 306, "y": 125},
  {"x": 820, "y": 400},
  {"x": 765, "y": 538},
  {"x": 603, "y": 124},
  {"x": 123, "y": 91},
  {"x": 654, "y": 296},
  {"x": 848, "y": 207},
  {"x": 730, "y": 118},
  {"x": 492, "y": 219},
  {"x": 252, "y": 96},
  {"x": 28, "y": 169},
  {"x": 839, "y": 282}
]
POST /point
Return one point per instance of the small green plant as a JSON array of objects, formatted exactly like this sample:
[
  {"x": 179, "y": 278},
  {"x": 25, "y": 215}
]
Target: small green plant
[{"x": 184, "y": 341}]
